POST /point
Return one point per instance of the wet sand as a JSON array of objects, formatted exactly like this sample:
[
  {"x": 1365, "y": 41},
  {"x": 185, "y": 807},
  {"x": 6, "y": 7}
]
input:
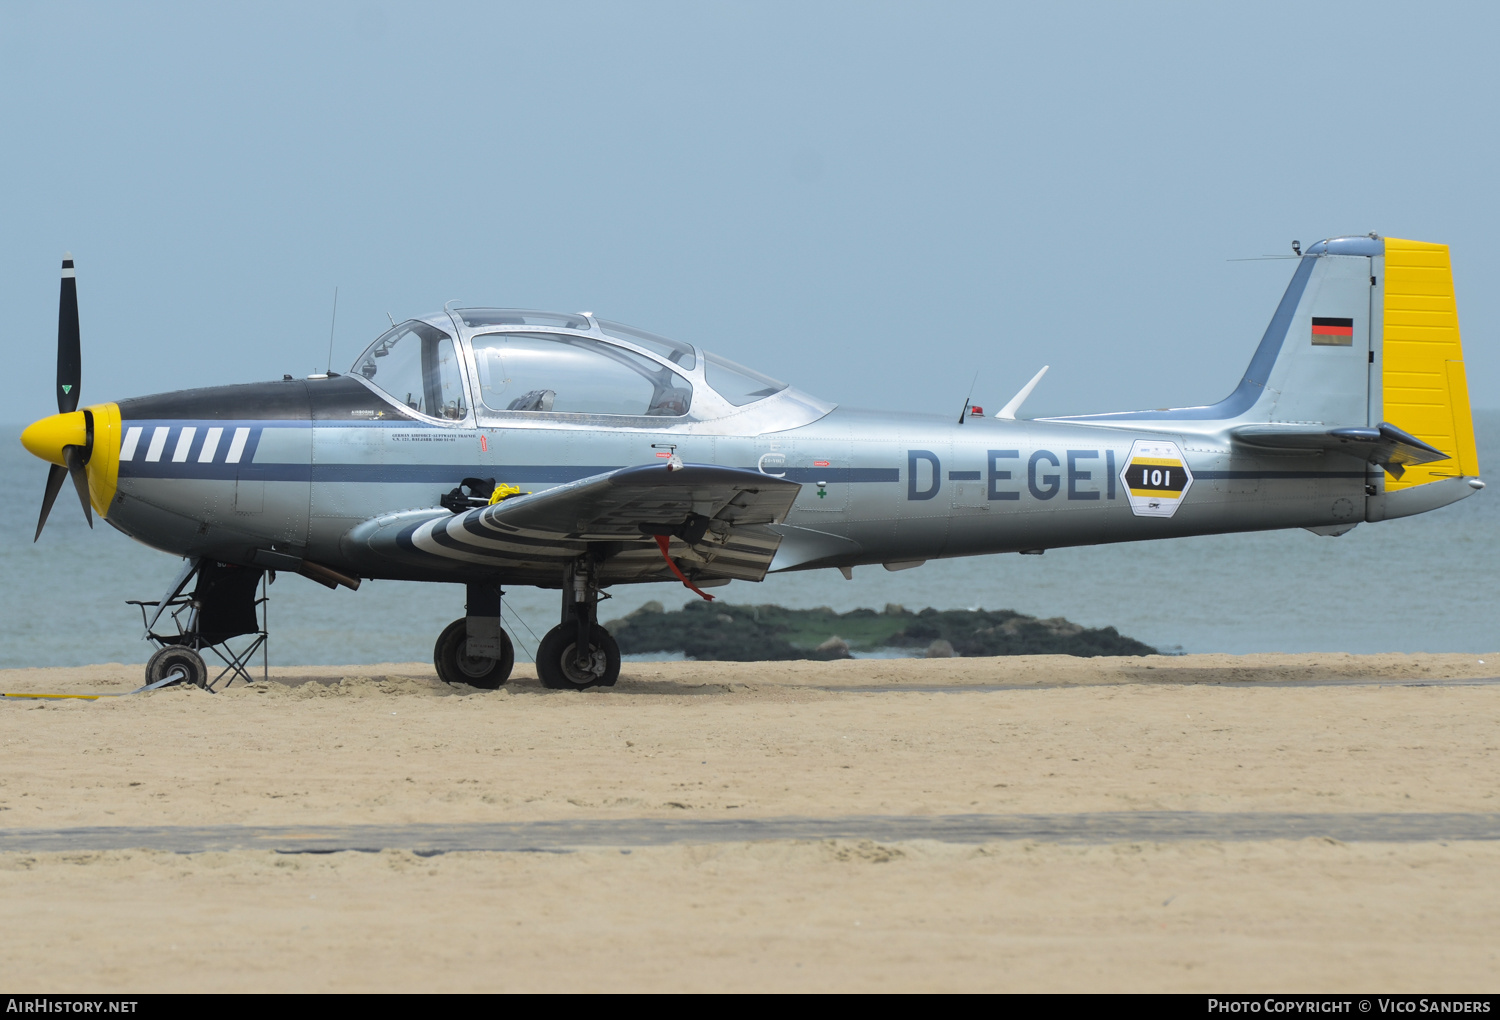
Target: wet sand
[{"x": 390, "y": 745}]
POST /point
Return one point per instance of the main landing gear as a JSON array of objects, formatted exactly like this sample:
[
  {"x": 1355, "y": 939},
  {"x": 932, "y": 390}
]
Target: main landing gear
[
  {"x": 578, "y": 653},
  {"x": 474, "y": 649},
  {"x": 574, "y": 655}
]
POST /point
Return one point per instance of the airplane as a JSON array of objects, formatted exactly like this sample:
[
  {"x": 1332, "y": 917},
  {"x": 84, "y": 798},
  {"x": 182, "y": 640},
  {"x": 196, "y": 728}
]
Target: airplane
[{"x": 495, "y": 447}]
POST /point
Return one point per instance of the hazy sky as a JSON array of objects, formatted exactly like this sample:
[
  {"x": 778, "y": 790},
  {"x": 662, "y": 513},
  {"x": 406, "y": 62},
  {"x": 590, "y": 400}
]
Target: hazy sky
[{"x": 871, "y": 200}]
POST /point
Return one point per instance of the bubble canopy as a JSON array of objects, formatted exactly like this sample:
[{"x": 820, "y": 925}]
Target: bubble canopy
[{"x": 552, "y": 363}]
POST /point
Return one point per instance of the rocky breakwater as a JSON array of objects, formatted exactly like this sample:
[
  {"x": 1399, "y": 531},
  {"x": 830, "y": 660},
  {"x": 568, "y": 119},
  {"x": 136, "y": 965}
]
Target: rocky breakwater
[{"x": 704, "y": 630}]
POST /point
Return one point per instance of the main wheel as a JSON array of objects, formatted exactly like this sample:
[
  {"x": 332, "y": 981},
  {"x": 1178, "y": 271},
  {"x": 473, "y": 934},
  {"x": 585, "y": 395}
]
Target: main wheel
[
  {"x": 456, "y": 666},
  {"x": 557, "y": 659},
  {"x": 180, "y": 658}
]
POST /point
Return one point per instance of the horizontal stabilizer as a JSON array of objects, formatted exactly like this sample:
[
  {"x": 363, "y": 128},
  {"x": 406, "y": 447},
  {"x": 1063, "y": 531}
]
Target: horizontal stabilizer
[{"x": 1385, "y": 444}]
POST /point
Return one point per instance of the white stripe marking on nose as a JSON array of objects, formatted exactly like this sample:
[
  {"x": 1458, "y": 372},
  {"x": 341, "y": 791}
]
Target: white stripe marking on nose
[
  {"x": 184, "y": 444},
  {"x": 132, "y": 437},
  {"x": 158, "y": 442},
  {"x": 210, "y": 445},
  {"x": 237, "y": 446}
]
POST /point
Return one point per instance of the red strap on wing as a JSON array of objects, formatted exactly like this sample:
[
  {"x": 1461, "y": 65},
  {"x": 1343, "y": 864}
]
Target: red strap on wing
[{"x": 662, "y": 541}]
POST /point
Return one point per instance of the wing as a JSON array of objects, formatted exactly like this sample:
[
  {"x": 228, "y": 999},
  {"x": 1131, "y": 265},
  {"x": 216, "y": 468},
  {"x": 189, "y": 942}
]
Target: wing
[
  {"x": 717, "y": 517},
  {"x": 1385, "y": 445}
]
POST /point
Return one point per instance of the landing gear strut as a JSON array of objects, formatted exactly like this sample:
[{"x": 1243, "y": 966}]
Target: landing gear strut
[
  {"x": 578, "y": 653},
  {"x": 474, "y": 650}
]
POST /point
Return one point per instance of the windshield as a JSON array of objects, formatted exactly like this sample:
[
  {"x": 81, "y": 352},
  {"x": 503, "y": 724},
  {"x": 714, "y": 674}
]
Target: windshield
[
  {"x": 736, "y": 383},
  {"x": 416, "y": 364},
  {"x": 559, "y": 372}
]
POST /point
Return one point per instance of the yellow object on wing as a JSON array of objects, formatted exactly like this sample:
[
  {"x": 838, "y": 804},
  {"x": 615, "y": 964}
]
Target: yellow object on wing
[{"x": 504, "y": 492}]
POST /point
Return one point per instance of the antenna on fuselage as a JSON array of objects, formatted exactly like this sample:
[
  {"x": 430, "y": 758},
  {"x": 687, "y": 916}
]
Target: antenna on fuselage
[
  {"x": 1008, "y": 412},
  {"x": 330, "y": 331},
  {"x": 965, "y": 412}
]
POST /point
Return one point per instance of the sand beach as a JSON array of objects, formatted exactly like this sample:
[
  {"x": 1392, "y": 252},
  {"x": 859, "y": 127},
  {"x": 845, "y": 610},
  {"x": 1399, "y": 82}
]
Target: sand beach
[{"x": 680, "y": 748}]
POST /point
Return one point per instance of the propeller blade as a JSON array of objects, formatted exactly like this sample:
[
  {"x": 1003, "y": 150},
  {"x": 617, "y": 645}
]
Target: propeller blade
[
  {"x": 69, "y": 357},
  {"x": 74, "y": 455},
  {"x": 55, "y": 476},
  {"x": 69, "y": 375}
]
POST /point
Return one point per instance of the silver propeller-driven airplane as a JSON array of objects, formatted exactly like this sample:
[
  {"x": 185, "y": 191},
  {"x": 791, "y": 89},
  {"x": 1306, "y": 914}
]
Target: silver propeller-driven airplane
[{"x": 491, "y": 447}]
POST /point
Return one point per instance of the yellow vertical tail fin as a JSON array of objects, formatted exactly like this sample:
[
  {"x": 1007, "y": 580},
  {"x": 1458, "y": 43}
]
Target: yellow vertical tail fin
[{"x": 1423, "y": 386}]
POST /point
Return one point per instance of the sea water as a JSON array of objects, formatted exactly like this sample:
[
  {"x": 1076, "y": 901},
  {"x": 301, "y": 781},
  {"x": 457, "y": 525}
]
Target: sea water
[{"x": 1421, "y": 584}]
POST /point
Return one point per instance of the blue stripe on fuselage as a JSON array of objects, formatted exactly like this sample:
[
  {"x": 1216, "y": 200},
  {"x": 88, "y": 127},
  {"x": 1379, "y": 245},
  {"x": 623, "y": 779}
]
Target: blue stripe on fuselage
[{"x": 447, "y": 473}]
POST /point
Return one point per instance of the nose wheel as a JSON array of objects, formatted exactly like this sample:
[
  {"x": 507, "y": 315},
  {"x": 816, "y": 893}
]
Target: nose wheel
[
  {"x": 560, "y": 666},
  {"x": 456, "y": 666},
  {"x": 179, "y": 659}
]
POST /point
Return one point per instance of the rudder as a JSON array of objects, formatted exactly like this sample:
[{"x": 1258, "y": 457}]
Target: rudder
[{"x": 1423, "y": 386}]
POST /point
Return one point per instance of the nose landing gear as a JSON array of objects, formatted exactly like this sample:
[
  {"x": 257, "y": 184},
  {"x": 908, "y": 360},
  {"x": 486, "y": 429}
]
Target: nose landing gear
[{"x": 578, "y": 653}]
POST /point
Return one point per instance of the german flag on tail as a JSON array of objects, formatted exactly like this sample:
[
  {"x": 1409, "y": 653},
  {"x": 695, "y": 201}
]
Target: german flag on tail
[{"x": 1329, "y": 332}]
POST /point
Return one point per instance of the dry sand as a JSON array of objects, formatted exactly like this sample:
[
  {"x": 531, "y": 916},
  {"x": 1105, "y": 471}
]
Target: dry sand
[{"x": 390, "y": 744}]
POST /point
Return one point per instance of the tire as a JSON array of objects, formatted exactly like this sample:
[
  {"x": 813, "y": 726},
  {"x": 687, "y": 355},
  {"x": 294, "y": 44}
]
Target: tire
[
  {"x": 456, "y": 667},
  {"x": 180, "y": 657},
  {"x": 557, "y": 669}
]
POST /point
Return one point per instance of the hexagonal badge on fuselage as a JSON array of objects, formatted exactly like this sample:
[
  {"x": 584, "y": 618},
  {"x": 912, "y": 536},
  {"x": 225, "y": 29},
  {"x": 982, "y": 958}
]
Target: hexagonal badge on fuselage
[{"x": 1156, "y": 478}]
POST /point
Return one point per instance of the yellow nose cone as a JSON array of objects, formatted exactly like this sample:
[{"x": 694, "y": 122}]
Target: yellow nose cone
[{"x": 47, "y": 437}]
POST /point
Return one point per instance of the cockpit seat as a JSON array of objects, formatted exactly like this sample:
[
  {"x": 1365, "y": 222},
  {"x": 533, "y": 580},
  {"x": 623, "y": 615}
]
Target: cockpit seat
[{"x": 533, "y": 400}]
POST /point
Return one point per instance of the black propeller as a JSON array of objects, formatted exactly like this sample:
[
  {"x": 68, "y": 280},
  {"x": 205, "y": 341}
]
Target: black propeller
[
  {"x": 55, "y": 476},
  {"x": 69, "y": 357},
  {"x": 69, "y": 376}
]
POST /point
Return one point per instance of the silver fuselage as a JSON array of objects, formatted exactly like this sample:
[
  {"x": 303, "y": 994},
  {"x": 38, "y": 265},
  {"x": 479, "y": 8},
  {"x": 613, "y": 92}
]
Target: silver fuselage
[{"x": 876, "y": 487}]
